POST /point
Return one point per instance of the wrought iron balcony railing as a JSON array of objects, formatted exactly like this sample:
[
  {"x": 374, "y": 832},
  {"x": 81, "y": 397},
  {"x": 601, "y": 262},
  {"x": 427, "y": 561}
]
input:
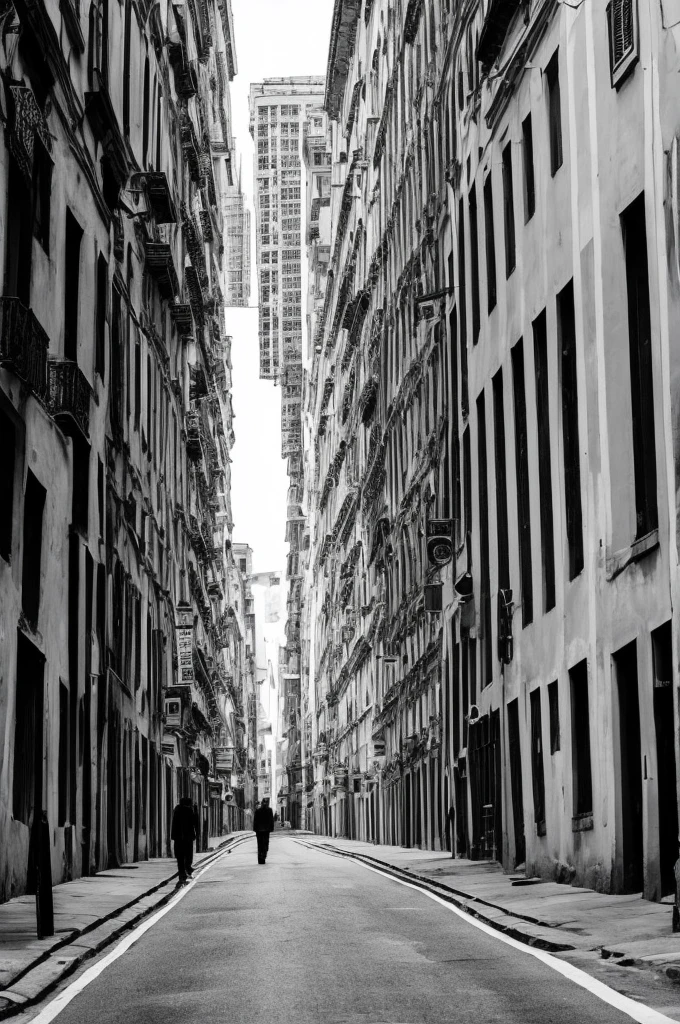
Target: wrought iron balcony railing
[
  {"x": 23, "y": 344},
  {"x": 69, "y": 395}
]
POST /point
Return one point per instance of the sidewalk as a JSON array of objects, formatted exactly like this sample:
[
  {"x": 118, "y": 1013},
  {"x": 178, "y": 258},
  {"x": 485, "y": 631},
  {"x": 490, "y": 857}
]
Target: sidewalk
[
  {"x": 555, "y": 917},
  {"x": 89, "y": 913}
]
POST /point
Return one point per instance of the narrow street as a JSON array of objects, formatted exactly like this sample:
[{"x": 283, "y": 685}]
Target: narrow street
[{"x": 315, "y": 939}]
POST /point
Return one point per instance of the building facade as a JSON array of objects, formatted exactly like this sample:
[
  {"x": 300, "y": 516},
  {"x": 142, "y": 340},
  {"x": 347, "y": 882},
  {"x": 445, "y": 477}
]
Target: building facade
[
  {"x": 492, "y": 390},
  {"x": 115, "y": 415}
]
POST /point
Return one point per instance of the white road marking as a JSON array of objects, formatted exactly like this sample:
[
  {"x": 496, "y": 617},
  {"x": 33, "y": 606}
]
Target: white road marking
[
  {"x": 61, "y": 1001},
  {"x": 638, "y": 1011}
]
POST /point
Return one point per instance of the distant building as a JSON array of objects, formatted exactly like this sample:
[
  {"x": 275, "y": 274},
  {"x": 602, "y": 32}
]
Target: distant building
[
  {"x": 284, "y": 112},
  {"x": 236, "y": 247}
]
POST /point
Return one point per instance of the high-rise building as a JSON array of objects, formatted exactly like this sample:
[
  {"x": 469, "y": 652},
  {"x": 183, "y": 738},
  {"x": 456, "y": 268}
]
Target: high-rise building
[
  {"x": 278, "y": 111},
  {"x": 237, "y": 246}
]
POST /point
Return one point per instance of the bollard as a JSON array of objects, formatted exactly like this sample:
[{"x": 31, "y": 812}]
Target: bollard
[{"x": 44, "y": 904}]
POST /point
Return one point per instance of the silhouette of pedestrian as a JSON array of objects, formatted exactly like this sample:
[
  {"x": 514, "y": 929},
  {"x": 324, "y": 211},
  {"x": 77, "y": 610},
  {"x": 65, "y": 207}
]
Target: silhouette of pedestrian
[
  {"x": 263, "y": 824},
  {"x": 183, "y": 834}
]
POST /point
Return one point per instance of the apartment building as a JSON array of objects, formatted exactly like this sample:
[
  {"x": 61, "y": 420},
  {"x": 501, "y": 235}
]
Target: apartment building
[
  {"x": 493, "y": 406},
  {"x": 116, "y": 423}
]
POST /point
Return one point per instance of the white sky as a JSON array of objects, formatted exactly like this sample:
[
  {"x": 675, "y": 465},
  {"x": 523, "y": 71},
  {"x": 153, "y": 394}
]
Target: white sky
[{"x": 273, "y": 38}]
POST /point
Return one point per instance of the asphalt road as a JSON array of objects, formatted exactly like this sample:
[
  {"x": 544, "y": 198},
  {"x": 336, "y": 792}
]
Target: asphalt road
[{"x": 312, "y": 939}]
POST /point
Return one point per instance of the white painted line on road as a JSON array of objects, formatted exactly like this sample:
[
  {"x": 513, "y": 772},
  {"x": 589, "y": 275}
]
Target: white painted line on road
[
  {"x": 60, "y": 1002},
  {"x": 638, "y": 1011}
]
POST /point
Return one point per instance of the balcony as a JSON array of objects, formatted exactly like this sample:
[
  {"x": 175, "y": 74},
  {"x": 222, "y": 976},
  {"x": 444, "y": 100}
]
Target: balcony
[
  {"x": 186, "y": 79},
  {"x": 160, "y": 265},
  {"x": 160, "y": 200},
  {"x": 69, "y": 396},
  {"x": 193, "y": 428},
  {"x": 23, "y": 345},
  {"x": 180, "y": 314}
]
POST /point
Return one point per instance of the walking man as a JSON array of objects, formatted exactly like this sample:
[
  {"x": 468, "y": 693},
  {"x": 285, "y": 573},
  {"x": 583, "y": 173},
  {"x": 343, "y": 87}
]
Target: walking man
[
  {"x": 263, "y": 823},
  {"x": 183, "y": 834}
]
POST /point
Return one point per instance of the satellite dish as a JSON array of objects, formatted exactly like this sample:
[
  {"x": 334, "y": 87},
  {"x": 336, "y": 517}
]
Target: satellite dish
[{"x": 474, "y": 713}]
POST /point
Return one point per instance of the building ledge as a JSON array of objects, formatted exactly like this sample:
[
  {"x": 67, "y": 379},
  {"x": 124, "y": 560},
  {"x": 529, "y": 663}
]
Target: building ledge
[
  {"x": 641, "y": 547},
  {"x": 582, "y": 822}
]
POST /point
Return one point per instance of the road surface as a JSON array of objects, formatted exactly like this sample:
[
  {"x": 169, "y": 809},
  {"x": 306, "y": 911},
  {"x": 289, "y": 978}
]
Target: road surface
[{"x": 310, "y": 938}]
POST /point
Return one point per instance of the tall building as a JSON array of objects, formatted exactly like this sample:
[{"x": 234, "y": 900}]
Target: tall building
[
  {"x": 283, "y": 113},
  {"x": 116, "y": 426},
  {"x": 237, "y": 246},
  {"x": 493, "y": 511}
]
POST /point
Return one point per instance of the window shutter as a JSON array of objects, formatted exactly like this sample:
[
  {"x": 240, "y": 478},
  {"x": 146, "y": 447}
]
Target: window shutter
[{"x": 623, "y": 42}]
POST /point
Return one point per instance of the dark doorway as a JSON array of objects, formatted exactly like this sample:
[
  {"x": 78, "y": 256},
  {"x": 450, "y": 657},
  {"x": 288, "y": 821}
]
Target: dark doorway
[
  {"x": 665, "y": 755},
  {"x": 28, "y": 746},
  {"x": 461, "y": 837},
  {"x": 630, "y": 767},
  {"x": 516, "y": 781}
]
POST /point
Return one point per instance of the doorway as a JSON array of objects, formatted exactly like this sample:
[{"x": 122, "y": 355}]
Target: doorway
[
  {"x": 630, "y": 768},
  {"x": 28, "y": 747},
  {"x": 665, "y": 755},
  {"x": 516, "y": 781}
]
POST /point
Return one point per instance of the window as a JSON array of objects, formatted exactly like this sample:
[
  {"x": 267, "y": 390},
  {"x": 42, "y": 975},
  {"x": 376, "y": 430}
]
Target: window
[
  {"x": 537, "y": 776},
  {"x": 623, "y": 39},
  {"x": 42, "y": 189},
  {"x": 34, "y": 504},
  {"x": 474, "y": 263},
  {"x": 544, "y": 461},
  {"x": 508, "y": 211},
  {"x": 528, "y": 161},
  {"x": 19, "y": 249},
  {"x": 490, "y": 243},
  {"x": 634, "y": 231},
  {"x": 554, "y": 712},
  {"x": 100, "y": 314},
  {"x": 501, "y": 483},
  {"x": 64, "y": 746},
  {"x": 552, "y": 75},
  {"x": 145, "y": 113},
  {"x": 522, "y": 470},
  {"x": 580, "y": 741},
  {"x": 566, "y": 330},
  {"x": 7, "y": 461},
  {"x": 74, "y": 236},
  {"x": 462, "y": 305},
  {"x": 485, "y": 584}
]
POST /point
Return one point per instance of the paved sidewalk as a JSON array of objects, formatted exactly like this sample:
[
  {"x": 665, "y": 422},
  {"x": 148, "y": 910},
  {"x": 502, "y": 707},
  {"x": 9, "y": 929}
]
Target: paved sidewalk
[
  {"x": 556, "y": 917},
  {"x": 89, "y": 913}
]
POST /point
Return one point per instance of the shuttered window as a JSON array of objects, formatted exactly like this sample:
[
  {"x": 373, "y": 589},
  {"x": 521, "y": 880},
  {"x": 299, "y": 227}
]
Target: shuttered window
[{"x": 623, "y": 38}]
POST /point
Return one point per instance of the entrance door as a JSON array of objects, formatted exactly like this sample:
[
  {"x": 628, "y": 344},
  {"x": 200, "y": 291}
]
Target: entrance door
[
  {"x": 516, "y": 781},
  {"x": 665, "y": 756},
  {"x": 28, "y": 747},
  {"x": 630, "y": 768}
]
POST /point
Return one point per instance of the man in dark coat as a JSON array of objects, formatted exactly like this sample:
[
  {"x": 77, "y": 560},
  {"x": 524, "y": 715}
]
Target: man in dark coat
[
  {"x": 263, "y": 823},
  {"x": 183, "y": 834}
]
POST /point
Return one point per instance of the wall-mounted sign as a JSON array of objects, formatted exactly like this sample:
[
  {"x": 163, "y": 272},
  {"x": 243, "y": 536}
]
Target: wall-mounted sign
[{"x": 185, "y": 643}]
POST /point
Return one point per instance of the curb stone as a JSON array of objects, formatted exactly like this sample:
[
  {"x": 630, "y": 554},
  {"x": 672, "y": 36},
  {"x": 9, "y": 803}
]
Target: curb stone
[
  {"x": 36, "y": 981},
  {"x": 464, "y": 901},
  {"x": 506, "y": 922}
]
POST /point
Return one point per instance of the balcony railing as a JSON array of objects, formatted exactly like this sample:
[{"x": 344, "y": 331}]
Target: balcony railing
[
  {"x": 69, "y": 395},
  {"x": 23, "y": 344}
]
